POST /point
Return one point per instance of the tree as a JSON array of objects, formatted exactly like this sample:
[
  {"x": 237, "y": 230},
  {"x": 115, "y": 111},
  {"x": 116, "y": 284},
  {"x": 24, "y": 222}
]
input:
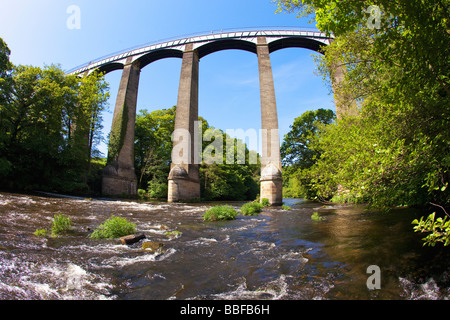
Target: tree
[
  {"x": 92, "y": 102},
  {"x": 297, "y": 153},
  {"x": 412, "y": 34},
  {"x": 153, "y": 148},
  {"x": 396, "y": 151},
  {"x": 233, "y": 176},
  {"x": 5, "y": 89},
  {"x": 295, "y": 149},
  {"x": 218, "y": 181},
  {"x": 48, "y": 124}
]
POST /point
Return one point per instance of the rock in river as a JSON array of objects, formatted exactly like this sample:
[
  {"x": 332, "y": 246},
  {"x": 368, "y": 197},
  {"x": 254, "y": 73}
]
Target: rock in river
[{"x": 132, "y": 238}]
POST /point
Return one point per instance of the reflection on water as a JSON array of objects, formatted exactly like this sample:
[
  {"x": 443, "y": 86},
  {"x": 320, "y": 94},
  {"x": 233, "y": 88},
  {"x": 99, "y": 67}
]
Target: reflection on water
[{"x": 276, "y": 255}]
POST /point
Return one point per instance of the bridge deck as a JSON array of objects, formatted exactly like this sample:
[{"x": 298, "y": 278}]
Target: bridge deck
[{"x": 208, "y": 43}]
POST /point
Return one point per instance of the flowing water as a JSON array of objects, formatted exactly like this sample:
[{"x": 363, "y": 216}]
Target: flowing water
[{"x": 275, "y": 255}]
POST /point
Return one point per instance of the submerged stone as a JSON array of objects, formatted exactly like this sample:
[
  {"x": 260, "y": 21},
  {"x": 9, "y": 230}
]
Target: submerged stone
[{"x": 152, "y": 246}]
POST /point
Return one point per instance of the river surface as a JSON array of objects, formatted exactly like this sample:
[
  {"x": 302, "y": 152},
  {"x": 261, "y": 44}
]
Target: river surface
[{"x": 276, "y": 255}]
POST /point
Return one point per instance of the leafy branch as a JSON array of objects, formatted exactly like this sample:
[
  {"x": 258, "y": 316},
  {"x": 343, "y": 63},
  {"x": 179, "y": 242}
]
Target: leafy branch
[{"x": 439, "y": 228}]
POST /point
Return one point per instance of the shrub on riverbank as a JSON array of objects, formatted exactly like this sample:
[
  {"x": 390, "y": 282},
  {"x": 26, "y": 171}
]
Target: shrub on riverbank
[
  {"x": 218, "y": 213},
  {"x": 114, "y": 227},
  {"x": 251, "y": 208},
  {"x": 265, "y": 202}
]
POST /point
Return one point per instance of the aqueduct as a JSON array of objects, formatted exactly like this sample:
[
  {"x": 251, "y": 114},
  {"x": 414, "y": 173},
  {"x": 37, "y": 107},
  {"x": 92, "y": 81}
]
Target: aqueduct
[{"x": 119, "y": 176}]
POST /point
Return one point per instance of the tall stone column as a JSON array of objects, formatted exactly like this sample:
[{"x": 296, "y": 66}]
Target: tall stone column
[
  {"x": 271, "y": 177},
  {"x": 184, "y": 177},
  {"x": 345, "y": 105},
  {"x": 119, "y": 176}
]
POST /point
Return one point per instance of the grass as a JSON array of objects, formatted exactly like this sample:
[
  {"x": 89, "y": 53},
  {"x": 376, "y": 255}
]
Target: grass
[
  {"x": 114, "y": 227},
  {"x": 219, "y": 213},
  {"x": 251, "y": 208},
  {"x": 40, "y": 233},
  {"x": 60, "y": 225}
]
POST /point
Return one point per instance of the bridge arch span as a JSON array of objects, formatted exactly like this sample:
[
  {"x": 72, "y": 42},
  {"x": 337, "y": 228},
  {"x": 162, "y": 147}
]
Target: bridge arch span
[
  {"x": 296, "y": 42},
  {"x": 153, "y": 56},
  {"x": 220, "y": 45},
  {"x": 110, "y": 67}
]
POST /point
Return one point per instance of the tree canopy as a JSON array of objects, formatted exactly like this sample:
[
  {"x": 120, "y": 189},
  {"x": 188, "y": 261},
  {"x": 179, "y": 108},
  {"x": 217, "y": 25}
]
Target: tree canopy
[
  {"x": 50, "y": 125},
  {"x": 396, "y": 150}
]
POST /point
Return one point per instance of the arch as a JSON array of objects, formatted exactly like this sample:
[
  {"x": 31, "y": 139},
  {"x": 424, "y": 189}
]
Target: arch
[
  {"x": 296, "y": 42},
  {"x": 156, "y": 55},
  {"x": 220, "y": 45},
  {"x": 109, "y": 67}
]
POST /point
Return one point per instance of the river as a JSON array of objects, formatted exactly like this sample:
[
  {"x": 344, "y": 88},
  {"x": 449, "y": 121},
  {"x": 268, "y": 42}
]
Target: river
[{"x": 279, "y": 254}]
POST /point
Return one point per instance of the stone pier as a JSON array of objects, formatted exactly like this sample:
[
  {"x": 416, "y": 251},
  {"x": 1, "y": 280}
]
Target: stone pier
[
  {"x": 119, "y": 176},
  {"x": 271, "y": 177},
  {"x": 184, "y": 176},
  {"x": 345, "y": 105}
]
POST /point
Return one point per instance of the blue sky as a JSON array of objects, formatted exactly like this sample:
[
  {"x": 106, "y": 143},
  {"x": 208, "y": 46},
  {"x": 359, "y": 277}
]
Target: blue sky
[{"x": 37, "y": 34}]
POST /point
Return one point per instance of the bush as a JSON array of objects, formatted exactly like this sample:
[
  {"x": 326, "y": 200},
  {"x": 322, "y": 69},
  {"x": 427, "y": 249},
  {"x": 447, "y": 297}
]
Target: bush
[
  {"x": 142, "y": 194},
  {"x": 317, "y": 217},
  {"x": 157, "y": 189},
  {"x": 220, "y": 213},
  {"x": 61, "y": 224},
  {"x": 265, "y": 202},
  {"x": 114, "y": 227},
  {"x": 285, "y": 207},
  {"x": 40, "y": 233},
  {"x": 251, "y": 208}
]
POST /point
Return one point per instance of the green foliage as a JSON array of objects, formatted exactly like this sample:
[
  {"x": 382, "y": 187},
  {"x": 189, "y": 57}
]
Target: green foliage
[
  {"x": 218, "y": 181},
  {"x": 5, "y": 74},
  {"x": 219, "y": 213},
  {"x": 114, "y": 227},
  {"x": 296, "y": 148},
  {"x": 141, "y": 194},
  {"x": 50, "y": 125},
  {"x": 439, "y": 229},
  {"x": 157, "y": 189},
  {"x": 251, "y": 208},
  {"x": 227, "y": 175},
  {"x": 285, "y": 207},
  {"x": 152, "y": 149},
  {"x": 317, "y": 217},
  {"x": 61, "y": 224},
  {"x": 298, "y": 152},
  {"x": 394, "y": 150},
  {"x": 265, "y": 202},
  {"x": 41, "y": 232}
]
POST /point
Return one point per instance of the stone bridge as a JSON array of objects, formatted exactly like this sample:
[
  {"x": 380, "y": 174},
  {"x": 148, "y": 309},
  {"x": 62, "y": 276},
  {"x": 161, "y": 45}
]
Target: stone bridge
[{"x": 119, "y": 176}]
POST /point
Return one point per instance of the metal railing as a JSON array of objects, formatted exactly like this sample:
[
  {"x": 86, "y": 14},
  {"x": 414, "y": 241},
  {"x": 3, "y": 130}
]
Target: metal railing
[{"x": 190, "y": 36}]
